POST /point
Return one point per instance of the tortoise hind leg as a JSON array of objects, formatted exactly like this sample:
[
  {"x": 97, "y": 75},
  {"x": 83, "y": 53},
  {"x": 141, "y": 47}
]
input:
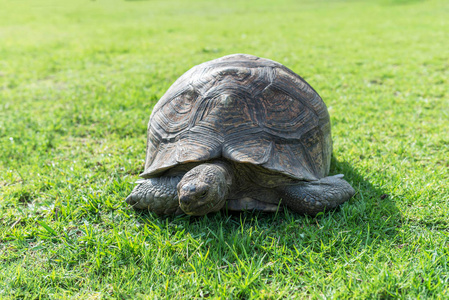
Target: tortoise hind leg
[
  {"x": 254, "y": 198},
  {"x": 312, "y": 197},
  {"x": 248, "y": 204}
]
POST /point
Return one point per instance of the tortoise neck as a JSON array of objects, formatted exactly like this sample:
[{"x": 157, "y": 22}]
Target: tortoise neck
[{"x": 227, "y": 170}]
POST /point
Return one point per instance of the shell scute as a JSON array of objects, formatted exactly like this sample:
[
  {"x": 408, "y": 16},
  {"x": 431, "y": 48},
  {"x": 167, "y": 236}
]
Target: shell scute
[{"x": 283, "y": 113}]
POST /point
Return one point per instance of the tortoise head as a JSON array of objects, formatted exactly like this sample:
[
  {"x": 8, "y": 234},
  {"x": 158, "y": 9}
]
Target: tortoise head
[{"x": 203, "y": 189}]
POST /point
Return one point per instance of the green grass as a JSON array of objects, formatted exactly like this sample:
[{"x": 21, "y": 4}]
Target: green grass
[{"x": 78, "y": 81}]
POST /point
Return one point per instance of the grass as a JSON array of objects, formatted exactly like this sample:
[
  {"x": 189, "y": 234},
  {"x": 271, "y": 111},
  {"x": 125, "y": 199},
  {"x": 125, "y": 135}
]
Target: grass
[{"x": 78, "y": 81}]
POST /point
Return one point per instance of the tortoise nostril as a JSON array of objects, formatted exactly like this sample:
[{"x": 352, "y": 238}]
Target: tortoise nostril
[{"x": 184, "y": 199}]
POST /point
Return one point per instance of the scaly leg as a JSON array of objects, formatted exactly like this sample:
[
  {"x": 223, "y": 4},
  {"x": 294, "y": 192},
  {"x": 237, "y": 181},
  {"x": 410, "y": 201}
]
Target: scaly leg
[
  {"x": 158, "y": 195},
  {"x": 312, "y": 197}
]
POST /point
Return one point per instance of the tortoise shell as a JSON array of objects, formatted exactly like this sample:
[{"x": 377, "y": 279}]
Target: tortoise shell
[{"x": 245, "y": 109}]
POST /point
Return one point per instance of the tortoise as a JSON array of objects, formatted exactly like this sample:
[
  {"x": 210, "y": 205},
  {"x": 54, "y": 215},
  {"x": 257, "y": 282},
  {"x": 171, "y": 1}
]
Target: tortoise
[{"x": 239, "y": 133}]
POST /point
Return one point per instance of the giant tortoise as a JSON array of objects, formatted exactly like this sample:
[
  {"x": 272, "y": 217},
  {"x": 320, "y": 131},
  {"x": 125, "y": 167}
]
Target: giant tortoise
[{"x": 239, "y": 133}]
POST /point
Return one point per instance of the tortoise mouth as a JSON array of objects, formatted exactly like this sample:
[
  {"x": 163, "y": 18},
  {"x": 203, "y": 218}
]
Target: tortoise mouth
[{"x": 201, "y": 209}]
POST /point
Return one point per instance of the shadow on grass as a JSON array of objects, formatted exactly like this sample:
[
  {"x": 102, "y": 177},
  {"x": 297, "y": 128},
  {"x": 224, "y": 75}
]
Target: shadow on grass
[{"x": 369, "y": 219}]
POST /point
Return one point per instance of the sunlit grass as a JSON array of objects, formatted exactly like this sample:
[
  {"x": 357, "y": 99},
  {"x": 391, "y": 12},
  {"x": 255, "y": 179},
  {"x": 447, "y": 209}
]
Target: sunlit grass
[{"x": 78, "y": 81}]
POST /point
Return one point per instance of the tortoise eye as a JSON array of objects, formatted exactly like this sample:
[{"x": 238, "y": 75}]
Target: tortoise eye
[{"x": 203, "y": 194}]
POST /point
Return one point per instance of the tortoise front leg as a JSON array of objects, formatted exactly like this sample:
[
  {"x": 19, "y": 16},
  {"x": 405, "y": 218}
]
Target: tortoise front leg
[
  {"x": 312, "y": 197},
  {"x": 158, "y": 195}
]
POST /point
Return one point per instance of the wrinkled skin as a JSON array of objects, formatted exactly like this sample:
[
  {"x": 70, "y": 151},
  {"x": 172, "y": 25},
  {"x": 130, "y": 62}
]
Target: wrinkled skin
[
  {"x": 203, "y": 189},
  {"x": 210, "y": 187}
]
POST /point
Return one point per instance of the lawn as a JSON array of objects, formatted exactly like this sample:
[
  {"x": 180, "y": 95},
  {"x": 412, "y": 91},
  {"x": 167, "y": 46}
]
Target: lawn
[{"x": 78, "y": 81}]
